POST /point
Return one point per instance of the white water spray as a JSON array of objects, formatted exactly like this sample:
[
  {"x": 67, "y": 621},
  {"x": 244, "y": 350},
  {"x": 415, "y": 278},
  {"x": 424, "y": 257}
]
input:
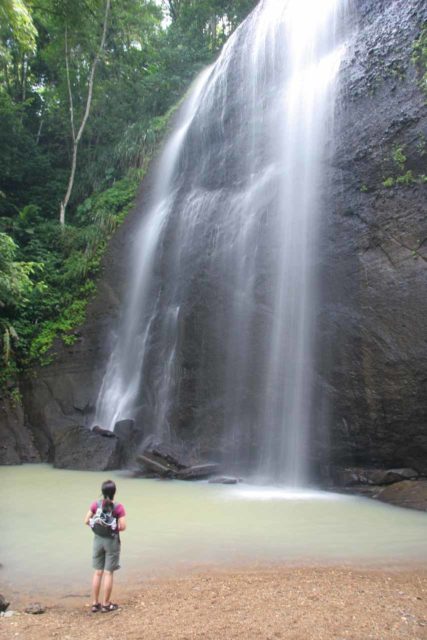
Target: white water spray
[{"x": 218, "y": 330}]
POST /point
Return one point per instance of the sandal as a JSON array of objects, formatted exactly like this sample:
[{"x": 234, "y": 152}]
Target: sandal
[
  {"x": 109, "y": 607},
  {"x": 96, "y": 607}
]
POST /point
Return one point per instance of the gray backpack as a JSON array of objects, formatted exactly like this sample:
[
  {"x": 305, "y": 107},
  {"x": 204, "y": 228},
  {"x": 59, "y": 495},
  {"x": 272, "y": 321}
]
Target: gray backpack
[{"x": 103, "y": 523}]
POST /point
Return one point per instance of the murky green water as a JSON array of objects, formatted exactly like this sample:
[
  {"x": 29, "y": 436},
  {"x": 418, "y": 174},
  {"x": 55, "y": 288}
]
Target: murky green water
[{"x": 44, "y": 543}]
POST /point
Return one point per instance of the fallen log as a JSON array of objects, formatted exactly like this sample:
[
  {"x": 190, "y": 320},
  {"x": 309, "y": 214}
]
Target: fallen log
[
  {"x": 173, "y": 454},
  {"x": 173, "y": 461},
  {"x": 198, "y": 471},
  {"x": 153, "y": 464}
]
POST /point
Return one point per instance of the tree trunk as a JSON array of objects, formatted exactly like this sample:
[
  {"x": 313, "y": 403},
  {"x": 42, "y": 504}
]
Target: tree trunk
[
  {"x": 77, "y": 138},
  {"x": 24, "y": 77},
  {"x": 212, "y": 29},
  {"x": 39, "y": 130}
]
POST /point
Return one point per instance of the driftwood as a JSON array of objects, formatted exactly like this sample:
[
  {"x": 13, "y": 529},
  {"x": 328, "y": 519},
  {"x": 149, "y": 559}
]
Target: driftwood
[
  {"x": 173, "y": 455},
  {"x": 156, "y": 465},
  {"x": 198, "y": 471},
  {"x": 168, "y": 461}
]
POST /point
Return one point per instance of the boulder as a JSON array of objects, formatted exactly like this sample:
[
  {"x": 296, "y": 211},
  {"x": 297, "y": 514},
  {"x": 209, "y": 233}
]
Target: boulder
[
  {"x": 408, "y": 493},
  {"x": 124, "y": 430},
  {"x": 3, "y": 603},
  {"x": 102, "y": 432},
  {"x": 349, "y": 476},
  {"x": 35, "y": 608},
  {"x": 397, "y": 475},
  {"x": 80, "y": 448},
  {"x": 130, "y": 436}
]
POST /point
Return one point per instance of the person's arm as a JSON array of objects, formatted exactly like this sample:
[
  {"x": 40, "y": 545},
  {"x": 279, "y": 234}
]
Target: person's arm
[
  {"x": 88, "y": 516},
  {"x": 122, "y": 523}
]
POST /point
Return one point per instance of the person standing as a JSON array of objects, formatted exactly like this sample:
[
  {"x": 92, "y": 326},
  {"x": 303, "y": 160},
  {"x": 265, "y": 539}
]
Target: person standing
[{"x": 107, "y": 520}]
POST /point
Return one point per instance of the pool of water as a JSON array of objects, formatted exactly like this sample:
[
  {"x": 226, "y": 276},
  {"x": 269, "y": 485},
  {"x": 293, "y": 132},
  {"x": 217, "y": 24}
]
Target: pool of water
[{"x": 174, "y": 525}]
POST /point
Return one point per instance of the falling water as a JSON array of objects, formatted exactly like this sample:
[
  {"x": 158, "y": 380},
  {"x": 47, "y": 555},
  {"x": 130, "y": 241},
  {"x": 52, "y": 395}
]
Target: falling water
[
  {"x": 216, "y": 340},
  {"x": 120, "y": 386}
]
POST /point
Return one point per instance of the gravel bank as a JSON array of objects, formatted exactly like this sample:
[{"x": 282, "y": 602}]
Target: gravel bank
[{"x": 308, "y": 603}]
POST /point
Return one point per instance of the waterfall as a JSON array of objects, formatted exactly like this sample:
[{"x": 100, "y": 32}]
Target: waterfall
[
  {"x": 121, "y": 383},
  {"x": 217, "y": 335}
]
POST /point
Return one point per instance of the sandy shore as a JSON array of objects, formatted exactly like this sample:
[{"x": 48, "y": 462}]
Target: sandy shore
[{"x": 309, "y": 603}]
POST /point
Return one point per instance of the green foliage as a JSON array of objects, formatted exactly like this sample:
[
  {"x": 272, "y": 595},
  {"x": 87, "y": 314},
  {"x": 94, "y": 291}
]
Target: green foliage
[
  {"x": 15, "y": 396},
  {"x": 207, "y": 23},
  {"x": 15, "y": 277},
  {"x": 49, "y": 302},
  {"x": 406, "y": 176},
  {"x": 419, "y": 57},
  {"x": 69, "y": 277},
  {"x": 62, "y": 327},
  {"x": 16, "y": 285},
  {"x": 15, "y": 14},
  {"x": 388, "y": 182},
  {"x": 421, "y": 146},
  {"x": 399, "y": 157},
  {"x": 141, "y": 139},
  {"x": 406, "y": 179}
]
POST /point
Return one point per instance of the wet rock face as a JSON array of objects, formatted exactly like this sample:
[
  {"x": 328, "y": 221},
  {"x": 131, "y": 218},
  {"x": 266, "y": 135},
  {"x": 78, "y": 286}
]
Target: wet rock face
[
  {"x": 16, "y": 440},
  {"x": 410, "y": 494},
  {"x": 372, "y": 359},
  {"x": 3, "y": 603},
  {"x": 373, "y": 317},
  {"x": 80, "y": 448}
]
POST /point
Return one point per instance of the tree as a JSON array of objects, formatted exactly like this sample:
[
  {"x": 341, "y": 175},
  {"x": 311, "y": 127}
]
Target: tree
[
  {"x": 76, "y": 136},
  {"x": 17, "y": 16},
  {"x": 210, "y": 21}
]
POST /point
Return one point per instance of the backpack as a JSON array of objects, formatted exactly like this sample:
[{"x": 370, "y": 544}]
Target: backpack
[{"x": 103, "y": 523}]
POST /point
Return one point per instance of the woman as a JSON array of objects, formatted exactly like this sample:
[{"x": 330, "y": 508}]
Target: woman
[{"x": 106, "y": 548}]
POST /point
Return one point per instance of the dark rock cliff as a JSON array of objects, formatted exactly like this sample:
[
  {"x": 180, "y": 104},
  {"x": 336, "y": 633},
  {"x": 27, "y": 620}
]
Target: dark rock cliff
[
  {"x": 372, "y": 373},
  {"x": 373, "y": 320}
]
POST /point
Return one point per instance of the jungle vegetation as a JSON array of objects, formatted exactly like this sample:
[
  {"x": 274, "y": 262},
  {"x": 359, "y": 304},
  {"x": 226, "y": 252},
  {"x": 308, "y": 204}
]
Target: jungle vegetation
[{"x": 86, "y": 91}]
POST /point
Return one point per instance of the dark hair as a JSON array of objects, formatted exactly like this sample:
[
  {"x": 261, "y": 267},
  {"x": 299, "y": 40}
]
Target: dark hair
[{"x": 108, "y": 489}]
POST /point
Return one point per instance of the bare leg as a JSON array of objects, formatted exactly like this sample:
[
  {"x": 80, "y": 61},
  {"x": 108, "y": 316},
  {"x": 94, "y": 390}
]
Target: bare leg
[
  {"x": 108, "y": 587},
  {"x": 96, "y": 586}
]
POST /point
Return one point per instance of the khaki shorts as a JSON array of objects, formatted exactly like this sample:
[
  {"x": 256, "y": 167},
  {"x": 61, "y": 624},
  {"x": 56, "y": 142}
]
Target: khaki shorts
[{"x": 106, "y": 553}]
